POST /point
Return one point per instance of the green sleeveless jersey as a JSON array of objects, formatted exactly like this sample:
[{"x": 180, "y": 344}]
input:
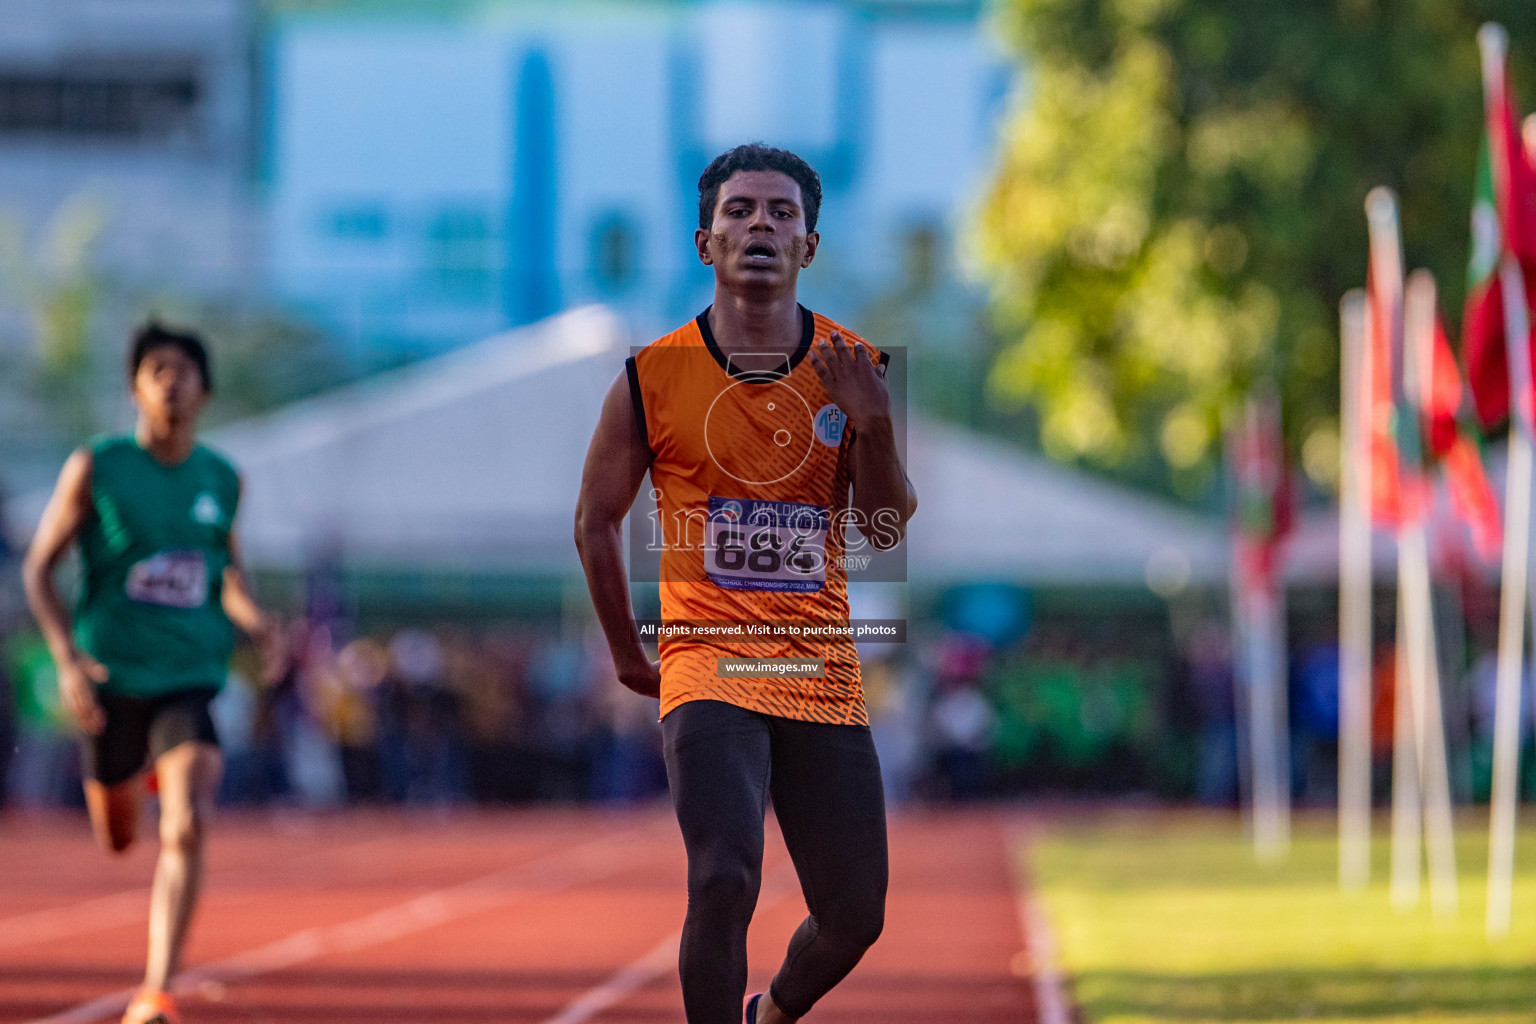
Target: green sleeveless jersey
[{"x": 153, "y": 554}]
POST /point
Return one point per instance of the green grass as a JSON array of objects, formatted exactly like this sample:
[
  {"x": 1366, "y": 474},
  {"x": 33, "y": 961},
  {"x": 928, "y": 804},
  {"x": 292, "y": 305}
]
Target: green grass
[{"x": 1164, "y": 918}]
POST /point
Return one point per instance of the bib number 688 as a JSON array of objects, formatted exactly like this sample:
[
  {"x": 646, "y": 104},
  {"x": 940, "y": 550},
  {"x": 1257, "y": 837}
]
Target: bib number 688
[
  {"x": 765, "y": 545},
  {"x": 764, "y": 553}
]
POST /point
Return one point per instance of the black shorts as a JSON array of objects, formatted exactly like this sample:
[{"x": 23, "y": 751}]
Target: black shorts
[{"x": 140, "y": 729}]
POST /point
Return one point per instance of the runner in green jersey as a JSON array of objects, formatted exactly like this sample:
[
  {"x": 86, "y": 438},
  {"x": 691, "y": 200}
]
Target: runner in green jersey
[{"x": 153, "y": 514}]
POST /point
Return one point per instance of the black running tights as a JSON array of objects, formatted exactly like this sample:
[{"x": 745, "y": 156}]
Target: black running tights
[{"x": 723, "y": 762}]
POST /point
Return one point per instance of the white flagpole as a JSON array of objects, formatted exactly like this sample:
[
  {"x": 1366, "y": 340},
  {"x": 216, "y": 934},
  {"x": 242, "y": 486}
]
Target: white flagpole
[
  {"x": 1263, "y": 739},
  {"x": 1277, "y": 839},
  {"x": 1423, "y": 662},
  {"x": 1406, "y": 803},
  {"x": 1279, "y": 831},
  {"x": 1354, "y": 601},
  {"x": 1494, "y": 43},
  {"x": 1263, "y": 615},
  {"x": 1387, "y": 281},
  {"x": 1512, "y": 605}
]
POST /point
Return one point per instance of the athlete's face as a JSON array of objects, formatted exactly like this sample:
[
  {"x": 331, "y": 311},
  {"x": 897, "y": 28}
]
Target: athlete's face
[
  {"x": 758, "y": 242},
  {"x": 168, "y": 387}
]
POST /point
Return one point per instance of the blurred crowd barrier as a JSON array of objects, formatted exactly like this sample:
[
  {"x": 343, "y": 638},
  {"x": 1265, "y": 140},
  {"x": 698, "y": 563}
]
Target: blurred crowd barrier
[{"x": 529, "y": 712}]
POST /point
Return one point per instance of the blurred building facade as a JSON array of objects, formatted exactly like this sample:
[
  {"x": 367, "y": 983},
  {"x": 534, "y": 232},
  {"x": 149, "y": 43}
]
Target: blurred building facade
[
  {"x": 128, "y": 145},
  {"x": 411, "y": 175},
  {"x": 435, "y": 175},
  {"x": 143, "y": 110}
]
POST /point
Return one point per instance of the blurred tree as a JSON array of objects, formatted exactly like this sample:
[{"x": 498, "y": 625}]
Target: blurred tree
[
  {"x": 56, "y": 285},
  {"x": 262, "y": 358},
  {"x": 1178, "y": 206},
  {"x": 941, "y": 324}
]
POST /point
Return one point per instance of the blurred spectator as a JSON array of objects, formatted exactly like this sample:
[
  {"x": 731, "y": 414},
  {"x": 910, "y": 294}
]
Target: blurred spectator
[
  {"x": 352, "y": 710},
  {"x": 962, "y": 722},
  {"x": 496, "y": 713},
  {"x": 234, "y": 713},
  {"x": 559, "y": 677},
  {"x": 44, "y": 771},
  {"x": 525, "y": 712},
  {"x": 1484, "y": 683},
  {"x": 310, "y": 759},
  {"x": 422, "y": 756},
  {"x": 627, "y": 765},
  {"x": 892, "y": 694},
  {"x": 1314, "y": 712},
  {"x": 1076, "y": 716},
  {"x": 277, "y": 706},
  {"x": 1211, "y": 678}
]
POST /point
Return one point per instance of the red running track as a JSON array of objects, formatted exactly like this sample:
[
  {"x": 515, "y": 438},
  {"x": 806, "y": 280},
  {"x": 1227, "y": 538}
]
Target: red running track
[{"x": 547, "y": 917}]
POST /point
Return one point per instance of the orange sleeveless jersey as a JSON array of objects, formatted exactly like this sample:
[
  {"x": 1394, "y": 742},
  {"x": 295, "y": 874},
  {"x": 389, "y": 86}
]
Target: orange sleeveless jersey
[{"x": 752, "y": 467}]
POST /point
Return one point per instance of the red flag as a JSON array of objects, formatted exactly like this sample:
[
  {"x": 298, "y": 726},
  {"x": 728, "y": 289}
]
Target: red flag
[
  {"x": 1443, "y": 395},
  {"x": 1448, "y": 440},
  {"x": 1503, "y": 221},
  {"x": 1472, "y": 497}
]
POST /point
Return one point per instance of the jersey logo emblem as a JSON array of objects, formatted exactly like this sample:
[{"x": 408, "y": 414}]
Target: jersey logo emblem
[
  {"x": 206, "y": 510},
  {"x": 828, "y": 424}
]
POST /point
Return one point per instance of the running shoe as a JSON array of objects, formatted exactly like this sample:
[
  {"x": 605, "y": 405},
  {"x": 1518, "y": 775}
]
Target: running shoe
[{"x": 151, "y": 1007}]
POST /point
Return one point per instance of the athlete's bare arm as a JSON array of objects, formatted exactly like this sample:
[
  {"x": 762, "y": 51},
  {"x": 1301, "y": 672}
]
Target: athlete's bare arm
[
  {"x": 66, "y": 514},
  {"x": 241, "y": 607},
  {"x": 617, "y": 461},
  {"x": 883, "y": 497}
]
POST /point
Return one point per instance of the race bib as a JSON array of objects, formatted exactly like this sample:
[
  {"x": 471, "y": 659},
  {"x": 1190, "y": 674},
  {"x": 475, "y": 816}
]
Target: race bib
[
  {"x": 172, "y": 579},
  {"x": 766, "y": 545}
]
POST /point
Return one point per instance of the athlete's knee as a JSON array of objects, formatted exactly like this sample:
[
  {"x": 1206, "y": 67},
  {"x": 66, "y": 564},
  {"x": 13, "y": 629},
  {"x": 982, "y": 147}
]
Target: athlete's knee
[
  {"x": 726, "y": 886},
  {"x": 855, "y": 926},
  {"x": 183, "y": 831},
  {"x": 865, "y": 929}
]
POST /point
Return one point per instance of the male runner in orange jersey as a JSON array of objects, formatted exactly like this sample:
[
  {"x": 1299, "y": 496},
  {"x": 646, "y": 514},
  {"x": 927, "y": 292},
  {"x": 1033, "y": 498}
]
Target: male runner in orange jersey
[{"x": 754, "y": 421}]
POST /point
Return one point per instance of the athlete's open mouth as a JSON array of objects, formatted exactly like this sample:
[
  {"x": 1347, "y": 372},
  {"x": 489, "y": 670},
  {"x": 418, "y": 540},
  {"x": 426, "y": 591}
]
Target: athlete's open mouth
[{"x": 759, "y": 252}]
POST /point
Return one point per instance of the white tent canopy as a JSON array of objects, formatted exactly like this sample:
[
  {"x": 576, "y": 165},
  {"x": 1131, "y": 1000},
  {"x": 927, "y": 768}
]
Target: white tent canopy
[
  {"x": 471, "y": 462},
  {"x": 988, "y": 511}
]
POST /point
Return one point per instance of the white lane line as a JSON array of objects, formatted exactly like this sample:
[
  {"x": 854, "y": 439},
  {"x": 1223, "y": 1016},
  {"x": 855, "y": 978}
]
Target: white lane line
[
  {"x": 62, "y": 922},
  {"x": 635, "y": 976},
  {"x": 652, "y": 964},
  {"x": 1039, "y": 957},
  {"x": 499, "y": 889},
  {"x": 117, "y": 909}
]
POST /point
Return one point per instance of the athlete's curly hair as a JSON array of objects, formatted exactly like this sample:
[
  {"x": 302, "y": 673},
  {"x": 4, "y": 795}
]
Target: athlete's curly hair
[
  {"x": 754, "y": 156},
  {"x": 152, "y": 335}
]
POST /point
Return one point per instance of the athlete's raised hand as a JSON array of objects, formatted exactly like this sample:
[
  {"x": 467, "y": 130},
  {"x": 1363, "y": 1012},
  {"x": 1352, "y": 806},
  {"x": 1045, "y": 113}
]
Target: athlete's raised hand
[
  {"x": 79, "y": 676},
  {"x": 852, "y": 379}
]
